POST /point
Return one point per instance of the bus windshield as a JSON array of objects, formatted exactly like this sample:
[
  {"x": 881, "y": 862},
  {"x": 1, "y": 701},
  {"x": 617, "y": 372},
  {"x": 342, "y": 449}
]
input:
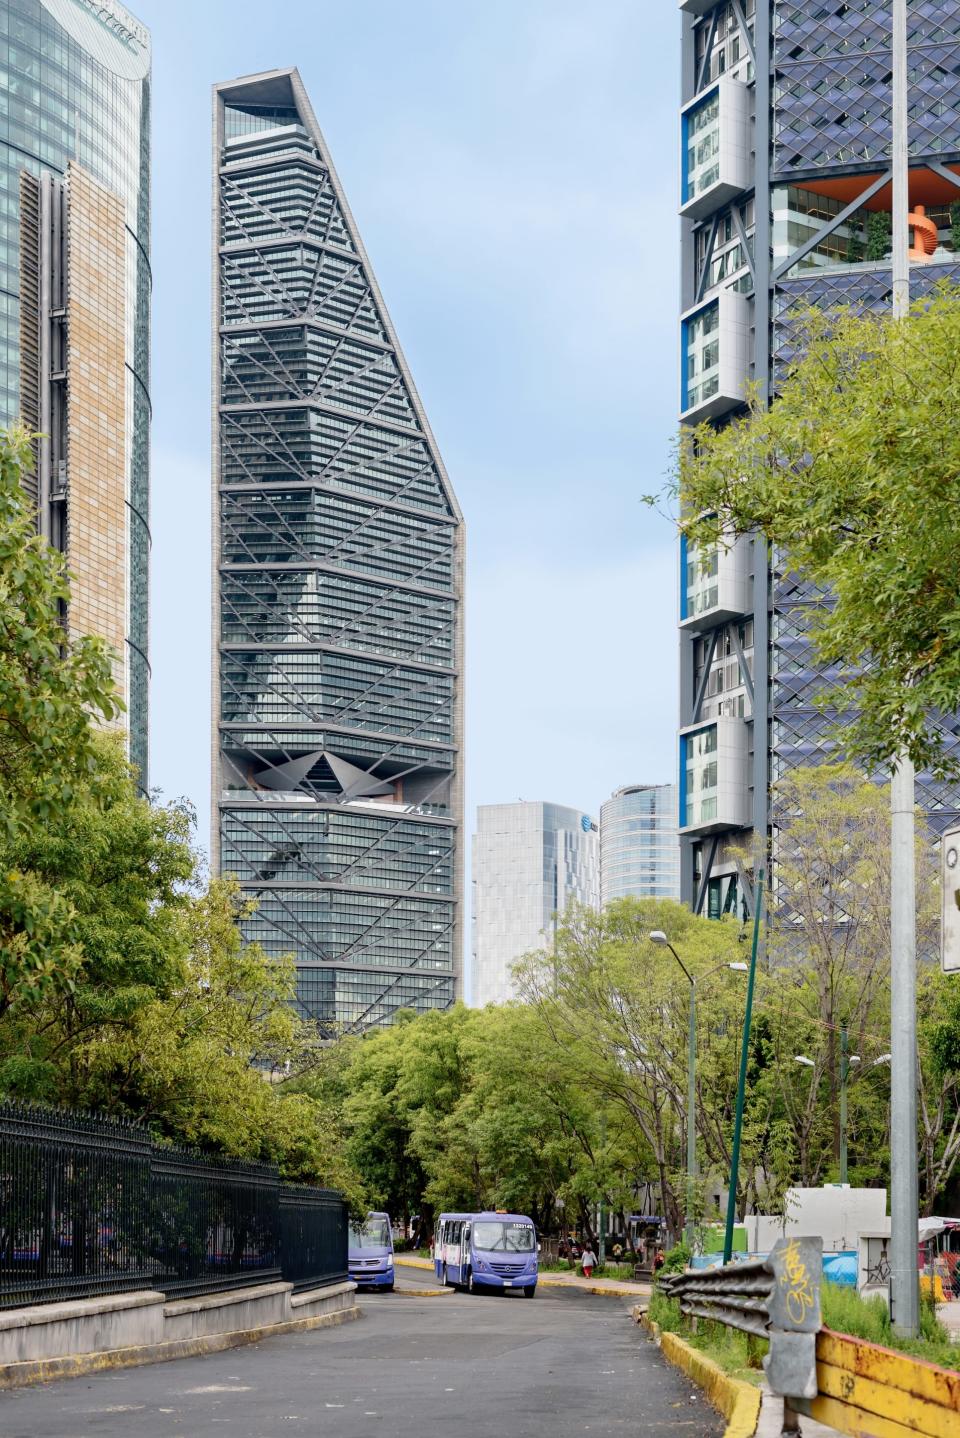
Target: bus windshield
[
  {"x": 372, "y": 1234},
  {"x": 503, "y": 1237}
]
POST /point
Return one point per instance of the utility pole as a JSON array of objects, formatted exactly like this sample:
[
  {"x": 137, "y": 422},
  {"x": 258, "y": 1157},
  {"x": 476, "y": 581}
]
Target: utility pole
[
  {"x": 904, "y": 1200},
  {"x": 659, "y": 937},
  {"x": 844, "y": 1070}
]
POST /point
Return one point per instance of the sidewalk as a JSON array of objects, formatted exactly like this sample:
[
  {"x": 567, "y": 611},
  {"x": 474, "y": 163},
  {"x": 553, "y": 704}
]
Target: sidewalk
[
  {"x": 608, "y": 1287},
  {"x": 949, "y": 1316},
  {"x": 771, "y": 1415}
]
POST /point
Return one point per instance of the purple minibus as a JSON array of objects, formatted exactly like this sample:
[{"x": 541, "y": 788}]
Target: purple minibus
[
  {"x": 477, "y": 1251},
  {"x": 370, "y": 1254}
]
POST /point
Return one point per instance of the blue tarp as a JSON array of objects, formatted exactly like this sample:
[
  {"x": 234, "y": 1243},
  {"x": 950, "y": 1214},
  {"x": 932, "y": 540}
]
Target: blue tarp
[{"x": 840, "y": 1268}]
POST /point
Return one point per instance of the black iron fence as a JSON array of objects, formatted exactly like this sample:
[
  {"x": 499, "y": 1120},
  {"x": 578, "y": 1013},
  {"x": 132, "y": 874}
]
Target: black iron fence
[
  {"x": 313, "y": 1233},
  {"x": 89, "y": 1206}
]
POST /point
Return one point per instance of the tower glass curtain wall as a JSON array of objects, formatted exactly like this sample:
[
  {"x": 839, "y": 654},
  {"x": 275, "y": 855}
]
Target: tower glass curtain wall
[
  {"x": 639, "y": 845},
  {"x": 785, "y": 200},
  {"x": 337, "y": 574},
  {"x": 76, "y": 85},
  {"x": 531, "y": 862}
]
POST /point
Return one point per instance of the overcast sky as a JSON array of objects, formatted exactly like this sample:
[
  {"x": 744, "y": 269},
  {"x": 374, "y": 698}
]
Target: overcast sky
[{"x": 512, "y": 168}]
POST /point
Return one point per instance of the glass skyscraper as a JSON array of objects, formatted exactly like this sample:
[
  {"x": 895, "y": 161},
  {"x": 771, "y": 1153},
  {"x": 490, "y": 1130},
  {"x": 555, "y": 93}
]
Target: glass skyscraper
[
  {"x": 531, "y": 863},
  {"x": 785, "y": 204},
  {"x": 639, "y": 844},
  {"x": 75, "y": 90},
  {"x": 337, "y": 574}
]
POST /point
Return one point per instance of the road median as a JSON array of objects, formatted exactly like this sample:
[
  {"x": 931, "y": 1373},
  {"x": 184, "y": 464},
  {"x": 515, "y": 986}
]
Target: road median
[{"x": 601, "y": 1287}]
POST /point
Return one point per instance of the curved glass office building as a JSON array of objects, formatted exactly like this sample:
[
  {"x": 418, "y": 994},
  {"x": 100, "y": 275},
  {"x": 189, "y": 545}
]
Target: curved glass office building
[
  {"x": 640, "y": 844},
  {"x": 337, "y": 576},
  {"x": 75, "y": 120}
]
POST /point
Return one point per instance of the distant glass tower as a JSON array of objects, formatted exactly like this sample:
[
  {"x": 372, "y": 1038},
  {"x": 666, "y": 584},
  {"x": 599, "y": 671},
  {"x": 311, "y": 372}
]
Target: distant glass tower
[
  {"x": 639, "y": 844},
  {"x": 531, "y": 862},
  {"x": 337, "y": 574},
  {"x": 75, "y": 318}
]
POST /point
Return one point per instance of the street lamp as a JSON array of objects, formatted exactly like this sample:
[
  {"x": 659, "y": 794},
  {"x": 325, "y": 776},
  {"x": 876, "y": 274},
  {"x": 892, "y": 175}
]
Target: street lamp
[
  {"x": 659, "y": 937},
  {"x": 847, "y": 1061}
]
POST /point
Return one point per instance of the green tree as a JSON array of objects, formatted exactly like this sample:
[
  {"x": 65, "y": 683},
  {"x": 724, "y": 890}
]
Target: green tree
[
  {"x": 166, "y": 1016},
  {"x": 49, "y": 690},
  {"x": 878, "y": 235},
  {"x": 617, "y": 1006},
  {"x": 829, "y": 953},
  {"x": 852, "y": 476}
]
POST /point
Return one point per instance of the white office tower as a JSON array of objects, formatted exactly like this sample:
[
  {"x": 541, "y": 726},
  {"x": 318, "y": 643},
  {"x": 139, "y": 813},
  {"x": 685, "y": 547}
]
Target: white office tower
[
  {"x": 640, "y": 844},
  {"x": 531, "y": 861}
]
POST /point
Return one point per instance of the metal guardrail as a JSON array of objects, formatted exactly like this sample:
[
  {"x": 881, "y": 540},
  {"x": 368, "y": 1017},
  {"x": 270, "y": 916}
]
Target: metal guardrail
[
  {"x": 851, "y": 1386},
  {"x": 777, "y": 1298}
]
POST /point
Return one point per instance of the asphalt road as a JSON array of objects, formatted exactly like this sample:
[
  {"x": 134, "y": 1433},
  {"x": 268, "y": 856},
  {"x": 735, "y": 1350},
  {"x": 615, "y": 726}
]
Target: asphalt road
[{"x": 452, "y": 1367}]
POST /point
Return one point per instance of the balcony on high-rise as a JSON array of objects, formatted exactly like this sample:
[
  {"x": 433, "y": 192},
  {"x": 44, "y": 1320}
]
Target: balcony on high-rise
[
  {"x": 715, "y": 148},
  {"x": 714, "y": 776},
  {"x": 715, "y": 352},
  {"x": 715, "y": 582}
]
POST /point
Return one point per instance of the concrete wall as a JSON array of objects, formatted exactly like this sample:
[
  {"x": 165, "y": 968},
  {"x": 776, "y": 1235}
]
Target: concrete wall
[
  {"x": 837, "y": 1214},
  {"x": 52, "y": 1338},
  {"x": 88, "y": 1325}
]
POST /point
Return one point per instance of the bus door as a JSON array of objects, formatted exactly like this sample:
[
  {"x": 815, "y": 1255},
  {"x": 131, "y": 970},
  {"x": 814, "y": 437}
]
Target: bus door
[
  {"x": 450, "y": 1250},
  {"x": 464, "y": 1252}
]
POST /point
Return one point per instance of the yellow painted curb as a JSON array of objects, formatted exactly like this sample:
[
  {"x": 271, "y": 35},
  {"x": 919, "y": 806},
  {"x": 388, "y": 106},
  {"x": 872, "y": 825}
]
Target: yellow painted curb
[
  {"x": 547, "y": 1282},
  {"x": 407, "y": 1262},
  {"x": 738, "y": 1402},
  {"x": 76, "y": 1365}
]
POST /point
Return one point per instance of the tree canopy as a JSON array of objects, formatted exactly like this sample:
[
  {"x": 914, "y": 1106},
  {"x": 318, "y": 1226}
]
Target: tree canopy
[{"x": 125, "y": 984}]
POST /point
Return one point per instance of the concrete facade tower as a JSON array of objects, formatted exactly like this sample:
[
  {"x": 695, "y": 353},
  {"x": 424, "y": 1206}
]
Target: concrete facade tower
[
  {"x": 785, "y": 204},
  {"x": 75, "y": 308},
  {"x": 531, "y": 862}
]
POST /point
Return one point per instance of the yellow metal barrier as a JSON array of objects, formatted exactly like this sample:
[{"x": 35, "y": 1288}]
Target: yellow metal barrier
[{"x": 872, "y": 1392}]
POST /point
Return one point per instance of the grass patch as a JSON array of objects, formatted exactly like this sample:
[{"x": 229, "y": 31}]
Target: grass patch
[
  {"x": 602, "y": 1270},
  {"x": 739, "y": 1354},
  {"x": 869, "y": 1318}
]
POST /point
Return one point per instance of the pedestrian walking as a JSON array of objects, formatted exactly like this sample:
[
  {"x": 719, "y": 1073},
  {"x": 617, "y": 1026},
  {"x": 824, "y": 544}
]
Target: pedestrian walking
[{"x": 588, "y": 1260}]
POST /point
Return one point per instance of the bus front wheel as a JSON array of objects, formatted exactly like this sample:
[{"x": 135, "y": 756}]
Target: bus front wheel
[
  {"x": 470, "y": 1286},
  {"x": 529, "y": 1292}
]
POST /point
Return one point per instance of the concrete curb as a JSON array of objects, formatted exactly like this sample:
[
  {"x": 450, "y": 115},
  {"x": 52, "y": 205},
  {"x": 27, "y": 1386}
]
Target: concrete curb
[
  {"x": 423, "y": 1292},
  {"x": 44, "y": 1370},
  {"x": 738, "y": 1402},
  {"x": 618, "y": 1292}
]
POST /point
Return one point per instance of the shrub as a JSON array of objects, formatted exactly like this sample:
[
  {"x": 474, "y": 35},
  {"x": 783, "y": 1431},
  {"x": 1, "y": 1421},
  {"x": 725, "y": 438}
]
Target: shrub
[{"x": 676, "y": 1259}]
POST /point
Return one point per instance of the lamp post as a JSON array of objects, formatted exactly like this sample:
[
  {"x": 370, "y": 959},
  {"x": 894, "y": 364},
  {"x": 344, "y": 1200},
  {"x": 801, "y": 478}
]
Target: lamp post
[
  {"x": 742, "y": 1081},
  {"x": 659, "y": 937},
  {"x": 847, "y": 1061}
]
